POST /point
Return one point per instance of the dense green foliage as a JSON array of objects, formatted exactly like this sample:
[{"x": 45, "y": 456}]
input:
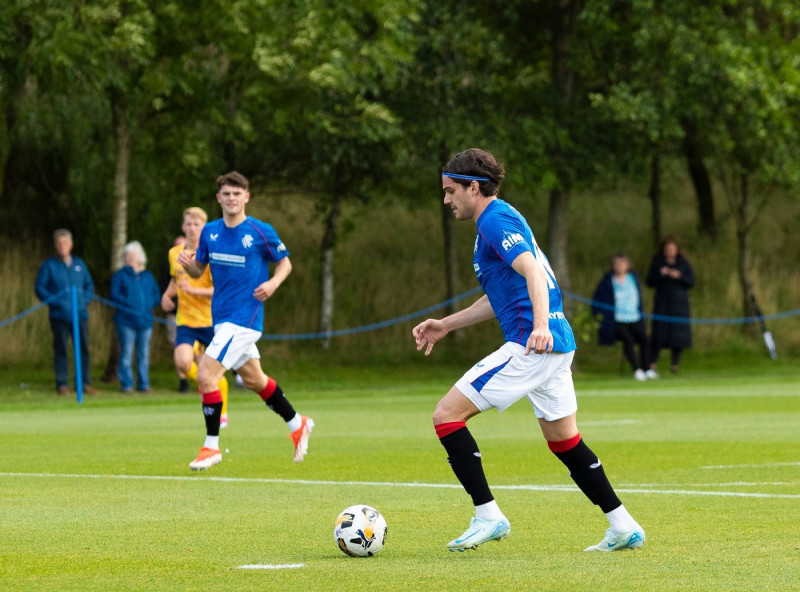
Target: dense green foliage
[{"x": 116, "y": 115}]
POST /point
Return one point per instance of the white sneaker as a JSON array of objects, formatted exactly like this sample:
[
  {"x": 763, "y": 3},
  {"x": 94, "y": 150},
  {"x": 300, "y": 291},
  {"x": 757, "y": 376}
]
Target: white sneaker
[
  {"x": 639, "y": 375},
  {"x": 652, "y": 374},
  {"x": 480, "y": 531},
  {"x": 208, "y": 457},
  {"x": 617, "y": 541}
]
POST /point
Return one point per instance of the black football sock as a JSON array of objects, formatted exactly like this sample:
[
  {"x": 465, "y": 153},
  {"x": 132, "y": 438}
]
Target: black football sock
[
  {"x": 587, "y": 472},
  {"x": 274, "y": 398},
  {"x": 212, "y": 412},
  {"x": 465, "y": 460}
]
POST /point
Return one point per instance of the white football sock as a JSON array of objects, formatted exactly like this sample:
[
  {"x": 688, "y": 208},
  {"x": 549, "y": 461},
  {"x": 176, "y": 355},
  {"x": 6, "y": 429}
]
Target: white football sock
[
  {"x": 489, "y": 511},
  {"x": 211, "y": 442},
  {"x": 295, "y": 423},
  {"x": 620, "y": 520}
]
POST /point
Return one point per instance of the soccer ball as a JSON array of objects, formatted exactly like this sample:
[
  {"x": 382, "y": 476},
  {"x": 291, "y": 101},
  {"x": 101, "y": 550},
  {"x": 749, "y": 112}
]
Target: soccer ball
[{"x": 360, "y": 531}]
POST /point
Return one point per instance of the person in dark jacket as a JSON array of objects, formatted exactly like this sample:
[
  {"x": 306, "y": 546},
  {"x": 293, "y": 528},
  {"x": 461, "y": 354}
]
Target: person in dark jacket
[
  {"x": 672, "y": 277},
  {"x": 53, "y": 281},
  {"x": 136, "y": 292},
  {"x": 622, "y": 317}
]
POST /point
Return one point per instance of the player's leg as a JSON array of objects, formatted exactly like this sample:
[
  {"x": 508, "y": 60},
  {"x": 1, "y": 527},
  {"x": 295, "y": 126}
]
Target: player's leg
[
  {"x": 208, "y": 374},
  {"x": 450, "y": 422},
  {"x": 300, "y": 426},
  {"x": 556, "y": 406},
  {"x": 184, "y": 361},
  {"x": 199, "y": 338}
]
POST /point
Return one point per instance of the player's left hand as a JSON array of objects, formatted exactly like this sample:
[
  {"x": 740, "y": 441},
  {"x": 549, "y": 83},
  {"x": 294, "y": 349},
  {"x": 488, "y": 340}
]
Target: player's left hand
[
  {"x": 264, "y": 291},
  {"x": 540, "y": 341}
]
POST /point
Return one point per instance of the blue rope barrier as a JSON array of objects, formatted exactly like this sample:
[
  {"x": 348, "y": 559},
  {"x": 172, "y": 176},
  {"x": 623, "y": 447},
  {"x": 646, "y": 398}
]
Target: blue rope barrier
[
  {"x": 373, "y": 326},
  {"x": 425, "y": 311},
  {"x": 32, "y": 309},
  {"x": 690, "y": 320}
]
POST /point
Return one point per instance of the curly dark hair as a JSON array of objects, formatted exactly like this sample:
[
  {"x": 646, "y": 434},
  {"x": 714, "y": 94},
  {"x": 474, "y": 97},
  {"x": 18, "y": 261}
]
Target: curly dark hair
[{"x": 477, "y": 163}]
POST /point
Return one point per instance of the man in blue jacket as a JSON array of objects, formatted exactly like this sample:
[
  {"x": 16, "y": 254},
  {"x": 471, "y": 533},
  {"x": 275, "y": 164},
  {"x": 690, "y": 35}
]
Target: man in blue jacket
[{"x": 55, "y": 277}]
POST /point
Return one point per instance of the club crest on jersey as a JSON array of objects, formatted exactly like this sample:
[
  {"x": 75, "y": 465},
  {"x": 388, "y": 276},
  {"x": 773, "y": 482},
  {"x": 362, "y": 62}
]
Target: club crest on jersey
[
  {"x": 510, "y": 239},
  {"x": 247, "y": 241}
]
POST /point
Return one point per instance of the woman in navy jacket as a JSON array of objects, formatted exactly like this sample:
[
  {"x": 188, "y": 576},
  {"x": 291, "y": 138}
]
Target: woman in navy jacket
[
  {"x": 622, "y": 317},
  {"x": 135, "y": 291}
]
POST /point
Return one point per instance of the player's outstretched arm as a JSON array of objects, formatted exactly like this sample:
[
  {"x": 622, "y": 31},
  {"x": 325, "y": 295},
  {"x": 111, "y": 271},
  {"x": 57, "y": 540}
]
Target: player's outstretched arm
[{"x": 427, "y": 333}]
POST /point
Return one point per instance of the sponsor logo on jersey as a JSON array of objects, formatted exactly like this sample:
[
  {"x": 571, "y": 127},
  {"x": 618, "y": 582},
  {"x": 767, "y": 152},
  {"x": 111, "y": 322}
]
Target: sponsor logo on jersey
[
  {"x": 214, "y": 236},
  {"x": 557, "y": 314},
  {"x": 247, "y": 241},
  {"x": 281, "y": 248},
  {"x": 477, "y": 269},
  {"x": 510, "y": 239},
  {"x": 229, "y": 260}
]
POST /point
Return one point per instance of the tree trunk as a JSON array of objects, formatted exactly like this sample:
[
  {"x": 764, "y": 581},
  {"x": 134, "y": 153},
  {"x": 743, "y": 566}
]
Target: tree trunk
[
  {"x": 326, "y": 269},
  {"x": 654, "y": 193},
  {"x": 557, "y": 239},
  {"x": 744, "y": 256},
  {"x": 701, "y": 181},
  {"x": 562, "y": 79},
  {"x": 119, "y": 214},
  {"x": 449, "y": 256}
]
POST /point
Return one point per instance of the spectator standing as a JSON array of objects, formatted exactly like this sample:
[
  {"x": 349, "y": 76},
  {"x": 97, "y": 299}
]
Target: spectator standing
[
  {"x": 622, "y": 319},
  {"x": 136, "y": 292},
  {"x": 55, "y": 276},
  {"x": 672, "y": 276}
]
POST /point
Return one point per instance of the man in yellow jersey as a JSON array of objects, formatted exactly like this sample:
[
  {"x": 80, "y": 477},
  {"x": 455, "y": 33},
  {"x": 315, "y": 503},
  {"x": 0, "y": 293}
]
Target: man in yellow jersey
[{"x": 194, "y": 324}]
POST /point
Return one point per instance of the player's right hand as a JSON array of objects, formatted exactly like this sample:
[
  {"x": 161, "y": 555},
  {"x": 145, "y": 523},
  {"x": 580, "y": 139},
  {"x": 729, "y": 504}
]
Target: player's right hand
[{"x": 427, "y": 333}]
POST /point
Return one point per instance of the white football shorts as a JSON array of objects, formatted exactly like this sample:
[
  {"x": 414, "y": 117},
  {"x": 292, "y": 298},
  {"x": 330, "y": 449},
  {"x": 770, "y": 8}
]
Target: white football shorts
[
  {"x": 505, "y": 376},
  {"x": 233, "y": 345}
]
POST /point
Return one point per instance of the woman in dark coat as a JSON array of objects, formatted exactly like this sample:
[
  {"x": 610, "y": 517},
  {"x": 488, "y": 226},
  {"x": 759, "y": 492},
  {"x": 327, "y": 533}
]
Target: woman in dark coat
[{"x": 672, "y": 277}]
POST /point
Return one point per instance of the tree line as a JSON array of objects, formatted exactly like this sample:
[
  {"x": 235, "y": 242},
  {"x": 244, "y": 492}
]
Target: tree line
[{"x": 114, "y": 113}]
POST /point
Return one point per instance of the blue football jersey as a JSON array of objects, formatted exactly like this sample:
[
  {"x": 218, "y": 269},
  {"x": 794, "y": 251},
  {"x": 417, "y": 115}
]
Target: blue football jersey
[
  {"x": 239, "y": 258},
  {"x": 503, "y": 234}
]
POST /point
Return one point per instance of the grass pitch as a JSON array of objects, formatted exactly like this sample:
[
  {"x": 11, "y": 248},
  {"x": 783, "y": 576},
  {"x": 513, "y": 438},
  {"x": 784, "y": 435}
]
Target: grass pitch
[{"x": 99, "y": 496}]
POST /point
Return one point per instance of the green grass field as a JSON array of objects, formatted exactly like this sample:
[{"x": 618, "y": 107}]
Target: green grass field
[{"x": 99, "y": 496}]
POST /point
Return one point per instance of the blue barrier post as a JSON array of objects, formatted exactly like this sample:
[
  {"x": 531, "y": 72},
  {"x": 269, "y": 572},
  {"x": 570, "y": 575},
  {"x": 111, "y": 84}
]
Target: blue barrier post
[{"x": 76, "y": 344}]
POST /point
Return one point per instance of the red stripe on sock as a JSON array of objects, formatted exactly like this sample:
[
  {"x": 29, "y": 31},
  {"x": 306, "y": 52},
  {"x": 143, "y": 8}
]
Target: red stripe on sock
[
  {"x": 444, "y": 429},
  {"x": 267, "y": 391},
  {"x": 212, "y": 397},
  {"x": 565, "y": 445}
]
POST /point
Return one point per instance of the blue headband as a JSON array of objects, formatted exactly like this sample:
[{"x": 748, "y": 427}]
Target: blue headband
[{"x": 467, "y": 177}]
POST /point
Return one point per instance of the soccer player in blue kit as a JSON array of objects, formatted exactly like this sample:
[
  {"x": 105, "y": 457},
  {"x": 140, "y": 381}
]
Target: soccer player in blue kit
[
  {"x": 239, "y": 250},
  {"x": 520, "y": 290}
]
